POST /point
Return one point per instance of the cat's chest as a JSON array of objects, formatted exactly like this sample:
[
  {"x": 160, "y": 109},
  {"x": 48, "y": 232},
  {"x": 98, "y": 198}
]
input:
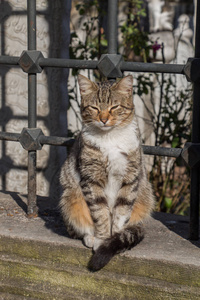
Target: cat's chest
[
  {"x": 115, "y": 143},
  {"x": 115, "y": 147},
  {"x": 116, "y": 158},
  {"x": 116, "y": 168}
]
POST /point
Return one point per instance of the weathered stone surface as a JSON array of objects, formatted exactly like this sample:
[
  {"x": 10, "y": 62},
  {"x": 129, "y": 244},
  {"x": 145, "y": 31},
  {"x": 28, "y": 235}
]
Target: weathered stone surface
[{"x": 39, "y": 261}]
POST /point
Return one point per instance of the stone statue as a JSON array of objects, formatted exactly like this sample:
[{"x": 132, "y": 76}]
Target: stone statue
[
  {"x": 159, "y": 19},
  {"x": 183, "y": 32}
]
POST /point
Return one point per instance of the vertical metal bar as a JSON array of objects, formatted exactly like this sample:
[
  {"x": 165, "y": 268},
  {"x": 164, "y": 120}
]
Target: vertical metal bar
[
  {"x": 3, "y": 99},
  {"x": 112, "y": 26},
  {"x": 31, "y": 20},
  {"x": 32, "y": 100},
  {"x": 31, "y": 7},
  {"x": 195, "y": 172}
]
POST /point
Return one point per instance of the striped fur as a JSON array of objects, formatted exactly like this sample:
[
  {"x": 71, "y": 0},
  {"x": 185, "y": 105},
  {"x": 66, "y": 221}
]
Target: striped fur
[{"x": 106, "y": 194}]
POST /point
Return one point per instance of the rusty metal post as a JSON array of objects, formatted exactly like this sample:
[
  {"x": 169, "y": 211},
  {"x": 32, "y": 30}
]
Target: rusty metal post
[{"x": 31, "y": 19}]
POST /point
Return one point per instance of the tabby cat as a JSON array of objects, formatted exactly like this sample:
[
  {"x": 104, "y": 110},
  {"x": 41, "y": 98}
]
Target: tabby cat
[{"x": 106, "y": 195}]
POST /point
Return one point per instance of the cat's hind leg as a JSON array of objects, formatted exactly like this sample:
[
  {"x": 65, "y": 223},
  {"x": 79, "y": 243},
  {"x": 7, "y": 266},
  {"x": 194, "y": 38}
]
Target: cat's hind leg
[
  {"x": 76, "y": 214},
  {"x": 144, "y": 205}
]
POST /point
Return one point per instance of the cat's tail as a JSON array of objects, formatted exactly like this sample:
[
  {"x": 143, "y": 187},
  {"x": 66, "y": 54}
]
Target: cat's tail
[{"x": 117, "y": 243}]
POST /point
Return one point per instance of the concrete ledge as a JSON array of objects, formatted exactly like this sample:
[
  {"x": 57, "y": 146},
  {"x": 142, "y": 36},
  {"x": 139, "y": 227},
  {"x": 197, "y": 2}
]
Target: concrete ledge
[{"x": 38, "y": 260}]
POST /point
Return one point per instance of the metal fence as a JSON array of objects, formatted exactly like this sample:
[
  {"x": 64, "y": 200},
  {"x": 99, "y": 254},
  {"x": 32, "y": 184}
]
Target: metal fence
[{"x": 110, "y": 65}]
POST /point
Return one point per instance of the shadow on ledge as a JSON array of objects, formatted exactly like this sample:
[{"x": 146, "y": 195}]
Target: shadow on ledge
[{"x": 48, "y": 211}]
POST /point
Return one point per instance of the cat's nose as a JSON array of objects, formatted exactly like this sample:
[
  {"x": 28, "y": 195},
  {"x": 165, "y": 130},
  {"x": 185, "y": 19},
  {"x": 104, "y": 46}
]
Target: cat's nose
[{"x": 104, "y": 121}]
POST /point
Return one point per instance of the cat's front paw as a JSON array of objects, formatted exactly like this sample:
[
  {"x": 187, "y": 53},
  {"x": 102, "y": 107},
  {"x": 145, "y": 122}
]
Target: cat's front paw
[
  {"x": 88, "y": 240},
  {"x": 92, "y": 242},
  {"x": 97, "y": 243}
]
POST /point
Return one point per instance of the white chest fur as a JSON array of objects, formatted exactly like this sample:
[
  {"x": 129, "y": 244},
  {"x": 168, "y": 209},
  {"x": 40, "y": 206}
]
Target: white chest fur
[
  {"x": 116, "y": 168},
  {"x": 114, "y": 146}
]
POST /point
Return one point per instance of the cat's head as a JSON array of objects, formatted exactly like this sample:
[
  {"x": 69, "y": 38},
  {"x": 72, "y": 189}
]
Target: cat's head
[{"x": 106, "y": 104}]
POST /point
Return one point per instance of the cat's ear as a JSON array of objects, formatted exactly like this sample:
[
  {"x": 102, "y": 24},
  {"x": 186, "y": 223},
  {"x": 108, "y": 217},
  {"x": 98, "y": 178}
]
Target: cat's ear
[
  {"x": 125, "y": 85},
  {"x": 86, "y": 86}
]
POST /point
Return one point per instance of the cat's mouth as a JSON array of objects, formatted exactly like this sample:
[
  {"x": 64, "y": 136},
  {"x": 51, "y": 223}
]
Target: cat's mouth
[{"x": 105, "y": 127}]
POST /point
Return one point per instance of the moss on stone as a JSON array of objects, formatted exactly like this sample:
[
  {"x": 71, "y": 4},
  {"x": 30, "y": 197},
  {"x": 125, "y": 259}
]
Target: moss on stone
[
  {"x": 62, "y": 256},
  {"x": 74, "y": 281}
]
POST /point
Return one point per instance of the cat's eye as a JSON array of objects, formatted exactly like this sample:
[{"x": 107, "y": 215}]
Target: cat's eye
[
  {"x": 95, "y": 108},
  {"x": 114, "y": 107}
]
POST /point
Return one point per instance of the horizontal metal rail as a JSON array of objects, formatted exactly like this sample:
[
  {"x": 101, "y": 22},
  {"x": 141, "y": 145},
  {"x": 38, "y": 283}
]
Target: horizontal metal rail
[
  {"x": 9, "y": 136},
  {"x": 152, "y": 67},
  {"x": 92, "y": 64},
  {"x": 68, "y": 63},
  {"x": 64, "y": 141},
  {"x": 56, "y": 141},
  {"x": 9, "y": 60},
  {"x": 162, "y": 151}
]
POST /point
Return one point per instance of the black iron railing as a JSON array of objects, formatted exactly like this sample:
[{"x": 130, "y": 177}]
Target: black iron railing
[{"x": 110, "y": 65}]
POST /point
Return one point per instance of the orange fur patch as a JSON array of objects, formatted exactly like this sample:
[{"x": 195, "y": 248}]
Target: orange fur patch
[
  {"x": 79, "y": 212},
  {"x": 139, "y": 213}
]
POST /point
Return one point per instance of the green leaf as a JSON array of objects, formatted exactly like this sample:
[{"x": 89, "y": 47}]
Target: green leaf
[
  {"x": 175, "y": 142},
  {"x": 168, "y": 202},
  {"x": 104, "y": 42}
]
